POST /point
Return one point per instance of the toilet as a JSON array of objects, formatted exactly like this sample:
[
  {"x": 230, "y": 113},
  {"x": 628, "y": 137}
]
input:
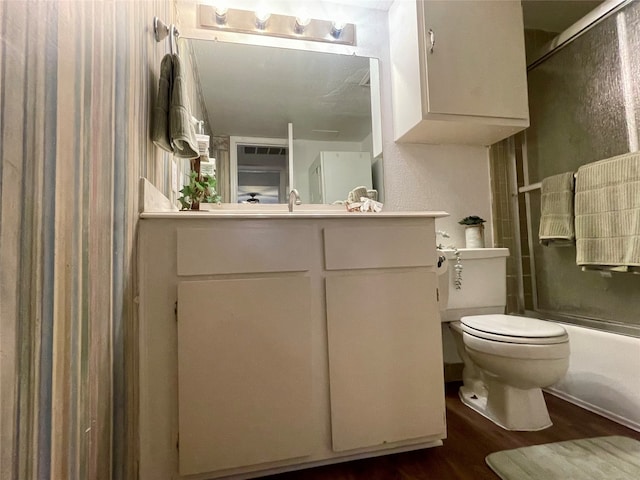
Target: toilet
[{"x": 507, "y": 359}]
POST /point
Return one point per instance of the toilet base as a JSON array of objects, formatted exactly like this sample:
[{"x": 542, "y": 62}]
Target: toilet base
[{"x": 508, "y": 407}]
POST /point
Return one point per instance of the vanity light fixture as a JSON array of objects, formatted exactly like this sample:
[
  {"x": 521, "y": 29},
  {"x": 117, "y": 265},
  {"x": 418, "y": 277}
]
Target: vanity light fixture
[{"x": 263, "y": 23}]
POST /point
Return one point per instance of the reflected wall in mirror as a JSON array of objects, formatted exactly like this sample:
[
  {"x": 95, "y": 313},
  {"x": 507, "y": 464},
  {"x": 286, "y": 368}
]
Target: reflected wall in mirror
[{"x": 256, "y": 91}]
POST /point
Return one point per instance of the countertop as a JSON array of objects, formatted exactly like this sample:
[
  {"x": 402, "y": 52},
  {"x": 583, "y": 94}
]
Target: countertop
[{"x": 281, "y": 211}]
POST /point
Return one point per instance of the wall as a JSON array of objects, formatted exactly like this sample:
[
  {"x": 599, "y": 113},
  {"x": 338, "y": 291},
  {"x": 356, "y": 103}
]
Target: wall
[
  {"x": 416, "y": 177},
  {"x": 77, "y": 85}
]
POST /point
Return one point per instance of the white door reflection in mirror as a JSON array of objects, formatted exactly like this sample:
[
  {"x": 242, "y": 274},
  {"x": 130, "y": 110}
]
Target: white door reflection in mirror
[
  {"x": 290, "y": 164},
  {"x": 259, "y": 169}
]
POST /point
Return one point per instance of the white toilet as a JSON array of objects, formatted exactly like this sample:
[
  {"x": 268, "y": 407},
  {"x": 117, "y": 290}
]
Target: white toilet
[{"x": 507, "y": 359}]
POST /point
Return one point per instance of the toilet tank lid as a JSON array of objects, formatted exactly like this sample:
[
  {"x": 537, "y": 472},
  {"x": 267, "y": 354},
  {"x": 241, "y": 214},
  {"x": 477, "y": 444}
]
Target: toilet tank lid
[
  {"x": 514, "y": 326},
  {"x": 472, "y": 253}
]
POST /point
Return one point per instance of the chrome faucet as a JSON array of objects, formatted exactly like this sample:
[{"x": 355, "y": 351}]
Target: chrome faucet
[{"x": 294, "y": 197}]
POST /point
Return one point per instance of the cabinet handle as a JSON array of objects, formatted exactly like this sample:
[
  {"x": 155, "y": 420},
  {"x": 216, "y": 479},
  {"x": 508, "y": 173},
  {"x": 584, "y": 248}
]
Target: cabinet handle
[{"x": 432, "y": 40}]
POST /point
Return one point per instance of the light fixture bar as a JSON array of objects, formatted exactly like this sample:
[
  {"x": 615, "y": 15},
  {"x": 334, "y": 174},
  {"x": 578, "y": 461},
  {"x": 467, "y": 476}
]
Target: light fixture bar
[{"x": 286, "y": 26}]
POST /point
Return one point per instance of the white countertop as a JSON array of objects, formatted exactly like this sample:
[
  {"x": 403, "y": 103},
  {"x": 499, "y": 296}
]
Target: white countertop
[{"x": 281, "y": 211}]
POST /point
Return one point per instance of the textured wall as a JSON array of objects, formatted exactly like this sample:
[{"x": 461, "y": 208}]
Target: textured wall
[
  {"x": 440, "y": 177},
  {"x": 76, "y": 83}
]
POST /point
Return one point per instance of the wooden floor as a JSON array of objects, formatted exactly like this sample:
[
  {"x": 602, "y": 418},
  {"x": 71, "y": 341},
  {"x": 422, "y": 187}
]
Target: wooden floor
[{"x": 470, "y": 438}]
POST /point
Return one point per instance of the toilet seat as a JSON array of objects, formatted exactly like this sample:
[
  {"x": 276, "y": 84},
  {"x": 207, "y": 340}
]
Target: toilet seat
[
  {"x": 525, "y": 351},
  {"x": 514, "y": 329}
]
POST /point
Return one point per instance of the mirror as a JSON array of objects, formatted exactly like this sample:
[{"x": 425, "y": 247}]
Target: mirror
[{"x": 249, "y": 94}]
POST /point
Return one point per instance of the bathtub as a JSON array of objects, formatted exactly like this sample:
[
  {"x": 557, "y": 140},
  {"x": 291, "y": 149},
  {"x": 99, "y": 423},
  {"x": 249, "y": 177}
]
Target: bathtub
[{"x": 603, "y": 375}]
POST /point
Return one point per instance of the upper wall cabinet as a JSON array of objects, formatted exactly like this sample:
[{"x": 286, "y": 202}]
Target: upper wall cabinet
[{"x": 458, "y": 71}]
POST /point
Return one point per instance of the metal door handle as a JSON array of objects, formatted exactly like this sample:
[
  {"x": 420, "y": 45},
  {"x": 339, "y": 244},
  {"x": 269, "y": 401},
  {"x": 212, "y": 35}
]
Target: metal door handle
[{"x": 432, "y": 40}]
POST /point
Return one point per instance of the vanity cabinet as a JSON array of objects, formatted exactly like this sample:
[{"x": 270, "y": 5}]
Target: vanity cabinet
[
  {"x": 458, "y": 71},
  {"x": 276, "y": 342}
]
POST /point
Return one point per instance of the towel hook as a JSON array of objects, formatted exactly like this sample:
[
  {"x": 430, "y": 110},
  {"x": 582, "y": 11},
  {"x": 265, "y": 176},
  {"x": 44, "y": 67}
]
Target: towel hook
[
  {"x": 161, "y": 30},
  {"x": 173, "y": 43}
]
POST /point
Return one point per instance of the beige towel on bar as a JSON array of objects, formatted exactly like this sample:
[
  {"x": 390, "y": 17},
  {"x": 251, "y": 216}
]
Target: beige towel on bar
[
  {"x": 607, "y": 209},
  {"x": 556, "y": 205}
]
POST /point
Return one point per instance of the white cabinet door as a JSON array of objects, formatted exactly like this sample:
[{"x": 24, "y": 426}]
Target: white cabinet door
[
  {"x": 385, "y": 358},
  {"x": 244, "y": 372},
  {"x": 477, "y": 65}
]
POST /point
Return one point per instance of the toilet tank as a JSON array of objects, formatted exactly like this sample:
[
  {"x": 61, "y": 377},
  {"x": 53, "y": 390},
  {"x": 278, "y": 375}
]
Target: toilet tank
[{"x": 484, "y": 283}]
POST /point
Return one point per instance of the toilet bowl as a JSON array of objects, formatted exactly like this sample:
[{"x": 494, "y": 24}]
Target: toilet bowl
[
  {"x": 473, "y": 382},
  {"x": 516, "y": 358},
  {"x": 507, "y": 359}
]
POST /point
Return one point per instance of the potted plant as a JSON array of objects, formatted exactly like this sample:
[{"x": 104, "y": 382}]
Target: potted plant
[
  {"x": 474, "y": 231},
  {"x": 201, "y": 188}
]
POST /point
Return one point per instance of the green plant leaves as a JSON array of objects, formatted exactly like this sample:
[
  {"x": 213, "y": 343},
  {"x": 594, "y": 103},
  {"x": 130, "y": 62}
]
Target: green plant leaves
[
  {"x": 472, "y": 220},
  {"x": 200, "y": 189}
]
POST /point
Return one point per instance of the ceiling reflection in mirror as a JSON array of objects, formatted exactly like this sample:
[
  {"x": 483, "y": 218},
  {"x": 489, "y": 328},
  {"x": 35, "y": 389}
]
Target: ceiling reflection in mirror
[{"x": 256, "y": 91}]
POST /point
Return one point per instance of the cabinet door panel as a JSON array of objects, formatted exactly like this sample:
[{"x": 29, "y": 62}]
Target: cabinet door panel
[
  {"x": 478, "y": 64},
  {"x": 402, "y": 246},
  {"x": 244, "y": 372},
  {"x": 385, "y": 358},
  {"x": 229, "y": 249}
]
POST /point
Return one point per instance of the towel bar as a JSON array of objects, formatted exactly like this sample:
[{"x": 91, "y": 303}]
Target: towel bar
[{"x": 533, "y": 186}]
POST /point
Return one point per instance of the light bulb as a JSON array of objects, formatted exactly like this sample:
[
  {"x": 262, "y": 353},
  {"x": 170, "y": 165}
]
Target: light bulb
[
  {"x": 301, "y": 24},
  {"x": 221, "y": 15},
  {"x": 336, "y": 29},
  {"x": 261, "y": 19}
]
